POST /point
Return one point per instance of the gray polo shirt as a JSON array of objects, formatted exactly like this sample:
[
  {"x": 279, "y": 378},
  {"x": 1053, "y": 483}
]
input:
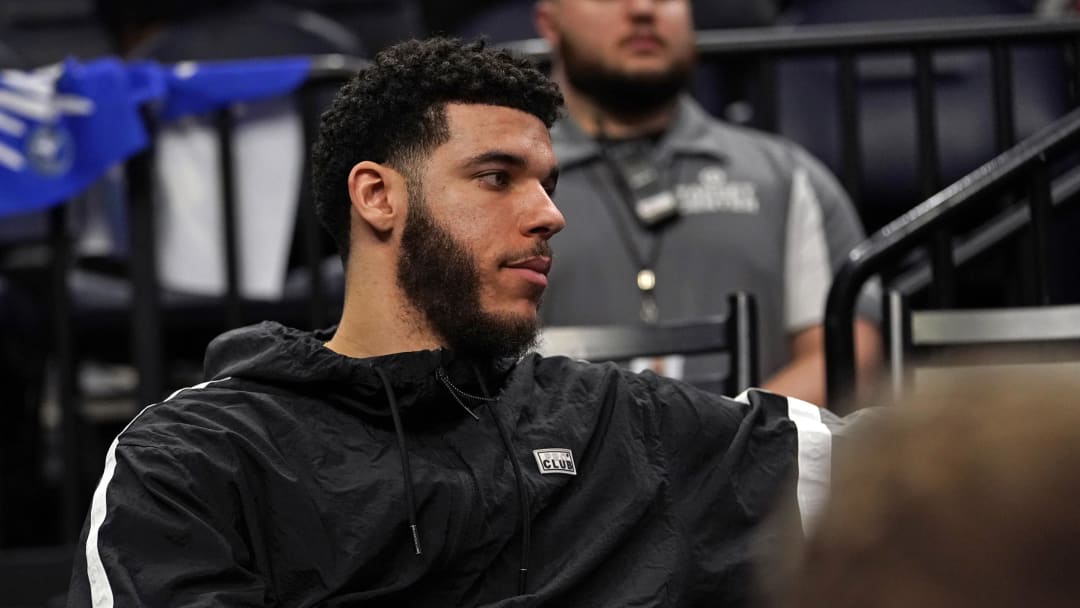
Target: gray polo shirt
[{"x": 757, "y": 213}]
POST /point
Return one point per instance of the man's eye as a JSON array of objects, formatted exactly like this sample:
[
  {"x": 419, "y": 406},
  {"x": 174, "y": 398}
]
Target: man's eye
[{"x": 496, "y": 179}]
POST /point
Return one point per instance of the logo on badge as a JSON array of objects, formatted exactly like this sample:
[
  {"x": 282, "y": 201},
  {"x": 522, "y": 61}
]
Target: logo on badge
[
  {"x": 50, "y": 150},
  {"x": 555, "y": 460}
]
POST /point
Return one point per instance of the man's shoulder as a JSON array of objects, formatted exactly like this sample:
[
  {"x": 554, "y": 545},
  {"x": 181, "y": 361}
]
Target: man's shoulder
[
  {"x": 698, "y": 131},
  {"x": 570, "y": 381},
  {"x": 195, "y": 414},
  {"x": 593, "y": 381},
  {"x": 565, "y": 367}
]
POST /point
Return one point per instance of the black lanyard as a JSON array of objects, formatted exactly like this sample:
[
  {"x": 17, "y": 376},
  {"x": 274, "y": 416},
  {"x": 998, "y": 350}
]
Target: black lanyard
[{"x": 645, "y": 262}]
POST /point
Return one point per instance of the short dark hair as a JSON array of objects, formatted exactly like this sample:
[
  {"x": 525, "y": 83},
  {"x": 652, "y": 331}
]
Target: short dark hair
[{"x": 394, "y": 112}]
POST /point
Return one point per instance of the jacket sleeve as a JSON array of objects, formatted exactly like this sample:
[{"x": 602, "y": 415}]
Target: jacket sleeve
[
  {"x": 735, "y": 455},
  {"x": 764, "y": 447},
  {"x": 163, "y": 530},
  {"x": 729, "y": 464}
]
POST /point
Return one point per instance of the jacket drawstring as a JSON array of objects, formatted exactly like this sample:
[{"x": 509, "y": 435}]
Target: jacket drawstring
[
  {"x": 523, "y": 498},
  {"x": 410, "y": 498}
]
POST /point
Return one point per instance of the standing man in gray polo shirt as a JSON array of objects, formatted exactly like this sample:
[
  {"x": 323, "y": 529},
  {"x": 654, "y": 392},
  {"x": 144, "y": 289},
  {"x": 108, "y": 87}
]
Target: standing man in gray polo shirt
[{"x": 669, "y": 210}]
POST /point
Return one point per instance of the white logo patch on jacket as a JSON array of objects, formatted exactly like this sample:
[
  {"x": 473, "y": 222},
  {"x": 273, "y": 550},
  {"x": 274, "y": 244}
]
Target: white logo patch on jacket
[
  {"x": 555, "y": 460},
  {"x": 713, "y": 192}
]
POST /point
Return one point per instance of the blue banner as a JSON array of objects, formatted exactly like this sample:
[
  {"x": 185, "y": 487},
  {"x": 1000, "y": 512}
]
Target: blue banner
[
  {"x": 198, "y": 88},
  {"x": 63, "y": 126}
]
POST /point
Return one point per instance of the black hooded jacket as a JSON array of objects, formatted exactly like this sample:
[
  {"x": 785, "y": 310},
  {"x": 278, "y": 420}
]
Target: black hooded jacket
[{"x": 297, "y": 477}]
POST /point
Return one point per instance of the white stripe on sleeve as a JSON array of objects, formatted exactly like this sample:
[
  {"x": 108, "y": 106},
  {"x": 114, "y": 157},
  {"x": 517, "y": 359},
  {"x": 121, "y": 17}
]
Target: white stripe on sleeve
[
  {"x": 815, "y": 456},
  {"x": 815, "y": 459},
  {"x": 101, "y": 595}
]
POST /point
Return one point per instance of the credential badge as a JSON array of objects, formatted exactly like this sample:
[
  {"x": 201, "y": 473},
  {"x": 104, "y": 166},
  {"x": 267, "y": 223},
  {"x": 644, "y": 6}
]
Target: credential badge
[{"x": 555, "y": 460}]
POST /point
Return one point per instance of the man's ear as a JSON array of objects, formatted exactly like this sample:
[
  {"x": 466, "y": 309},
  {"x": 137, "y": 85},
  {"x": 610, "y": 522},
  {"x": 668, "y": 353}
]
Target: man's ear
[
  {"x": 377, "y": 193},
  {"x": 544, "y": 21}
]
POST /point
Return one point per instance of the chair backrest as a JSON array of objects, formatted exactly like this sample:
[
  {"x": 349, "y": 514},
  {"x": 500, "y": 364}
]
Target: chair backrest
[
  {"x": 958, "y": 338},
  {"x": 734, "y": 334}
]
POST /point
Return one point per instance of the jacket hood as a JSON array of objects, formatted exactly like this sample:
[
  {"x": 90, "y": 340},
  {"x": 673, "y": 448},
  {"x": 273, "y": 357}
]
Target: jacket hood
[{"x": 270, "y": 353}]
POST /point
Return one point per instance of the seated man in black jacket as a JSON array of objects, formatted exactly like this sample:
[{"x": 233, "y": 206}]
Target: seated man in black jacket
[{"x": 413, "y": 456}]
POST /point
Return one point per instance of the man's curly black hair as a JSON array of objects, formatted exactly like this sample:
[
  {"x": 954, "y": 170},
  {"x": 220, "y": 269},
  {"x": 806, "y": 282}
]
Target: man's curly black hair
[{"x": 394, "y": 112}]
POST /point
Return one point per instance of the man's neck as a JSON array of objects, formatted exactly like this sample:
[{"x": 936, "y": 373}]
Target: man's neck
[
  {"x": 595, "y": 119},
  {"x": 373, "y": 325}
]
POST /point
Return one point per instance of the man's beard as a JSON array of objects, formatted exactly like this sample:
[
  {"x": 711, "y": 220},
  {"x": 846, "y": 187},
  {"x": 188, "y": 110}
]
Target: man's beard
[
  {"x": 621, "y": 93},
  {"x": 440, "y": 278}
]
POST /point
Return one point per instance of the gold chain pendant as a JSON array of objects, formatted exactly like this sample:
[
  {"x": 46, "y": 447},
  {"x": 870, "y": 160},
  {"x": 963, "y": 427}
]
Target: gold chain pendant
[
  {"x": 646, "y": 279},
  {"x": 646, "y": 282}
]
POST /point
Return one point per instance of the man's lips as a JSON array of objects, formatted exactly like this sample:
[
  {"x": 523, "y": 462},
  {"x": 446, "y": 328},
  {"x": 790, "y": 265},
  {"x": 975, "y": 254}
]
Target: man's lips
[
  {"x": 541, "y": 264},
  {"x": 643, "y": 42},
  {"x": 535, "y": 269}
]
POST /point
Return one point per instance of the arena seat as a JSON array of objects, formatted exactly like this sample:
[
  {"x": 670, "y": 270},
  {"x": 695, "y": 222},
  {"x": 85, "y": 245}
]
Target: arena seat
[{"x": 734, "y": 335}]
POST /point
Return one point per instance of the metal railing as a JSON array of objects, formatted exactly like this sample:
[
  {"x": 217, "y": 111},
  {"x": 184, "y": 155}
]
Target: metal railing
[{"x": 1027, "y": 166}]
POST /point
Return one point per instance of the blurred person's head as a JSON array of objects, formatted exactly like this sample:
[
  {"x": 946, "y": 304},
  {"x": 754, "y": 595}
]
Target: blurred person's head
[
  {"x": 629, "y": 57},
  {"x": 433, "y": 173},
  {"x": 963, "y": 498}
]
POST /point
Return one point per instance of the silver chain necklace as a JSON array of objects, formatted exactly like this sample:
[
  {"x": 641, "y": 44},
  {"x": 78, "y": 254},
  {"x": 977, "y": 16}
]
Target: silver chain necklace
[{"x": 457, "y": 393}]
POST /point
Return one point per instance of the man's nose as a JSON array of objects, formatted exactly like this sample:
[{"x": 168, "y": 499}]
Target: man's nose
[
  {"x": 544, "y": 219},
  {"x": 638, "y": 8}
]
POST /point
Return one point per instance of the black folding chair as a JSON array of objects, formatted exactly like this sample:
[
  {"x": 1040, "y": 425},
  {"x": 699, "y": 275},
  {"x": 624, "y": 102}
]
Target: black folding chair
[
  {"x": 925, "y": 344},
  {"x": 734, "y": 334}
]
